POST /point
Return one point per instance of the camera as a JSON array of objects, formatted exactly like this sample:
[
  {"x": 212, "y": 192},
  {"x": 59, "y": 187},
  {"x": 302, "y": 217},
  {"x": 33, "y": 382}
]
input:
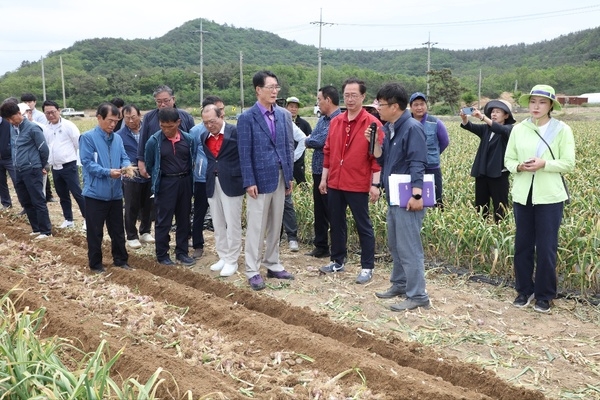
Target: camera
[{"x": 468, "y": 110}]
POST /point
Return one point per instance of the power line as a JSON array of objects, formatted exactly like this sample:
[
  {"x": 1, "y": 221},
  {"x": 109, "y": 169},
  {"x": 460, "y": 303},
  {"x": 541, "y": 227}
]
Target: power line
[{"x": 558, "y": 13}]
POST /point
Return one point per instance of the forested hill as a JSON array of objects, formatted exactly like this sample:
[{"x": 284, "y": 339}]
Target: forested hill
[{"x": 96, "y": 68}]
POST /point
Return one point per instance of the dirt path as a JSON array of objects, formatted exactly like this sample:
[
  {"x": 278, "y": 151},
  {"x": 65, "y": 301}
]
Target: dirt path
[{"x": 316, "y": 337}]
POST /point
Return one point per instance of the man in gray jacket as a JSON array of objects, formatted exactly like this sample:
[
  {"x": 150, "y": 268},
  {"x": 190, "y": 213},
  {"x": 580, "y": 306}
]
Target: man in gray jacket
[{"x": 30, "y": 156}]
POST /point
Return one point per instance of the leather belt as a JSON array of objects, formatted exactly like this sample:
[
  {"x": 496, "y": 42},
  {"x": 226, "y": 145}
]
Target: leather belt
[{"x": 179, "y": 175}]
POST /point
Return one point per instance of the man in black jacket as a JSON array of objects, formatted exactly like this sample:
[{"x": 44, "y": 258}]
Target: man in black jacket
[{"x": 164, "y": 98}]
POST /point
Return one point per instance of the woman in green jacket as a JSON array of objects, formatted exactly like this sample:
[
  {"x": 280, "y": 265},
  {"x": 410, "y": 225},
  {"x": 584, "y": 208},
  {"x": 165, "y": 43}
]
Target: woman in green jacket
[{"x": 539, "y": 150}]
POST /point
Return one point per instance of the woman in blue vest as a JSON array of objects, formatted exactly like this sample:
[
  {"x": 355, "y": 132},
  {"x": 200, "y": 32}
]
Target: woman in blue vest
[{"x": 539, "y": 150}]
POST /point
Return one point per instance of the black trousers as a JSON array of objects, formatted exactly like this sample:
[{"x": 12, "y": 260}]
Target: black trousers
[
  {"x": 97, "y": 213},
  {"x": 495, "y": 189},
  {"x": 66, "y": 183},
  {"x": 137, "y": 204},
  {"x": 339, "y": 201},
  {"x": 200, "y": 208},
  {"x": 536, "y": 247},
  {"x": 321, "y": 215},
  {"x": 173, "y": 198}
]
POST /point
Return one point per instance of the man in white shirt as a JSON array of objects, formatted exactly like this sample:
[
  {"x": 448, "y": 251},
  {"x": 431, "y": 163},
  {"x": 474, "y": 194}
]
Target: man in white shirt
[{"x": 62, "y": 136}]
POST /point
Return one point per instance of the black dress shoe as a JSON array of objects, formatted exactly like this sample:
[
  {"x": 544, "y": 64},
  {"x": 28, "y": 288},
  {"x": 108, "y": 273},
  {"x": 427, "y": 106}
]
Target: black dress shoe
[
  {"x": 100, "y": 270},
  {"x": 393, "y": 291},
  {"x": 318, "y": 252},
  {"x": 124, "y": 266},
  {"x": 166, "y": 261}
]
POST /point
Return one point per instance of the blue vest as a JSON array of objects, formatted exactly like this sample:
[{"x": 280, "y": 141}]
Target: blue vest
[{"x": 433, "y": 144}]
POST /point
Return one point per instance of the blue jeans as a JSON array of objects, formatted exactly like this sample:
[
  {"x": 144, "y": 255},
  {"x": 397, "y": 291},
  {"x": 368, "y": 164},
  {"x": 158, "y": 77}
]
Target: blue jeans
[
  {"x": 29, "y": 186},
  {"x": 536, "y": 246},
  {"x": 6, "y": 166},
  {"x": 66, "y": 182},
  {"x": 404, "y": 241}
]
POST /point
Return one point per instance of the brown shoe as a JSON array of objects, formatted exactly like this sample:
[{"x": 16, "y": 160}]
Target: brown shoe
[{"x": 198, "y": 252}]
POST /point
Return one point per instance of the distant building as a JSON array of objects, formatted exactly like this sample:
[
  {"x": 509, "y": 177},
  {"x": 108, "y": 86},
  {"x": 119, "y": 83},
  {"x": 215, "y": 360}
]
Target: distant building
[
  {"x": 592, "y": 97},
  {"x": 572, "y": 100}
]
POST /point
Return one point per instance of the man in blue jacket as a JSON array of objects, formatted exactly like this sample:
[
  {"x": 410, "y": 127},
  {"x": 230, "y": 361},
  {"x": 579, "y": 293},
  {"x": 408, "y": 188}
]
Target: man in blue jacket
[
  {"x": 266, "y": 148},
  {"x": 103, "y": 157},
  {"x": 30, "y": 155},
  {"x": 404, "y": 151},
  {"x": 6, "y": 164}
]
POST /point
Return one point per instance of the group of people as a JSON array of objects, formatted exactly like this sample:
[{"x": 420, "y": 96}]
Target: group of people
[{"x": 167, "y": 167}]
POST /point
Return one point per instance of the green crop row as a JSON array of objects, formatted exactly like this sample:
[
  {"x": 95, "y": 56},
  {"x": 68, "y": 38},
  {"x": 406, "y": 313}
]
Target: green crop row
[{"x": 30, "y": 367}]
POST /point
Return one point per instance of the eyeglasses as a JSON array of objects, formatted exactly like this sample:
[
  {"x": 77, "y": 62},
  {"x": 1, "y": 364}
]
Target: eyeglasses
[
  {"x": 50, "y": 112},
  {"x": 353, "y": 96},
  {"x": 111, "y": 120},
  {"x": 131, "y": 117},
  {"x": 271, "y": 88},
  {"x": 211, "y": 122},
  {"x": 163, "y": 101}
]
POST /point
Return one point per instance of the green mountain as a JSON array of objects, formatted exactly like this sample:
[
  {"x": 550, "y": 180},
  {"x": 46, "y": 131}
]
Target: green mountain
[{"x": 99, "y": 69}]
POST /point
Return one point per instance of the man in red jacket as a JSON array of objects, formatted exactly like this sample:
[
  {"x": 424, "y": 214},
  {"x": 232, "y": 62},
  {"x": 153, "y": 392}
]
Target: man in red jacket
[{"x": 350, "y": 179}]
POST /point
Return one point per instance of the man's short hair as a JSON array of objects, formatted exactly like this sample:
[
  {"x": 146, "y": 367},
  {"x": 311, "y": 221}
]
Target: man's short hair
[
  {"x": 130, "y": 108},
  {"x": 209, "y": 107},
  {"x": 9, "y": 109},
  {"x": 106, "y": 108},
  {"x": 259, "y": 78},
  {"x": 162, "y": 88},
  {"x": 28, "y": 97},
  {"x": 11, "y": 99},
  {"x": 117, "y": 101},
  {"x": 168, "y": 114},
  {"x": 331, "y": 93},
  {"x": 212, "y": 99},
  {"x": 50, "y": 103},
  {"x": 393, "y": 93},
  {"x": 361, "y": 84}
]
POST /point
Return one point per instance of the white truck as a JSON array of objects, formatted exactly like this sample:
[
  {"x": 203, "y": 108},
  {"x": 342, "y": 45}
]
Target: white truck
[{"x": 70, "y": 112}]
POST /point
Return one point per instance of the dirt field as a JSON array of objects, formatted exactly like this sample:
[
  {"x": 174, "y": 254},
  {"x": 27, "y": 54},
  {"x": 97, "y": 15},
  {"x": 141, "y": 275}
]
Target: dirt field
[{"x": 318, "y": 337}]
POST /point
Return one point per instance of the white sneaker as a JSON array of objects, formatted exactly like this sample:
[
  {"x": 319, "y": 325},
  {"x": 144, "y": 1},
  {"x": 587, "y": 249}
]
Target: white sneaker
[
  {"x": 229, "y": 269},
  {"x": 67, "y": 224},
  {"x": 42, "y": 237},
  {"x": 293, "y": 245},
  {"x": 146, "y": 238},
  {"x": 84, "y": 226},
  {"x": 217, "y": 266},
  {"x": 34, "y": 234},
  {"x": 134, "y": 244}
]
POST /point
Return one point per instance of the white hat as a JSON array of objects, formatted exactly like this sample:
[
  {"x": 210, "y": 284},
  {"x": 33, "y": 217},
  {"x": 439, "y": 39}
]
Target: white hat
[{"x": 23, "y": 107}]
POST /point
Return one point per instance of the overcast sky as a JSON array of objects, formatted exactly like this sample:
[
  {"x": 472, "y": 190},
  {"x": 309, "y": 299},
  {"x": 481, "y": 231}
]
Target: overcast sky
[{"x": 30, "y": 30}]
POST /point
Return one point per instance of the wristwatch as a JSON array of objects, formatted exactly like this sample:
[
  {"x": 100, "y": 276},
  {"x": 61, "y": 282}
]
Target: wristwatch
[
  {"x": 417, "y": 196},
  {"x": 377, "y": 185}
]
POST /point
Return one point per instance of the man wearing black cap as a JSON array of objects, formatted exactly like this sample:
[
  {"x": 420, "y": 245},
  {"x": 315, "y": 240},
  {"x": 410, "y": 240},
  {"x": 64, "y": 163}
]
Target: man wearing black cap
[{"x": 437, "y": 140}]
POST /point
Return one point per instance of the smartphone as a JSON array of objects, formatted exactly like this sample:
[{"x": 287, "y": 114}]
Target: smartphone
[
  {"x": 468, "y": 110},
  {"x": 373, "y": 137}
]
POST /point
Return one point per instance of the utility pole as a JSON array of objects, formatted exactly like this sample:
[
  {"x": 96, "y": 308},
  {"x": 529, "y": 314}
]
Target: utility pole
[
  {"x": 429, "y": 44},
  {"x": 43, "y": 79},
  {"x": 319, "y": 52},
  {"x": 202, "y": 32},
  {"x": 242, "y": 81},
  {"x": 62, "y": 78}
]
